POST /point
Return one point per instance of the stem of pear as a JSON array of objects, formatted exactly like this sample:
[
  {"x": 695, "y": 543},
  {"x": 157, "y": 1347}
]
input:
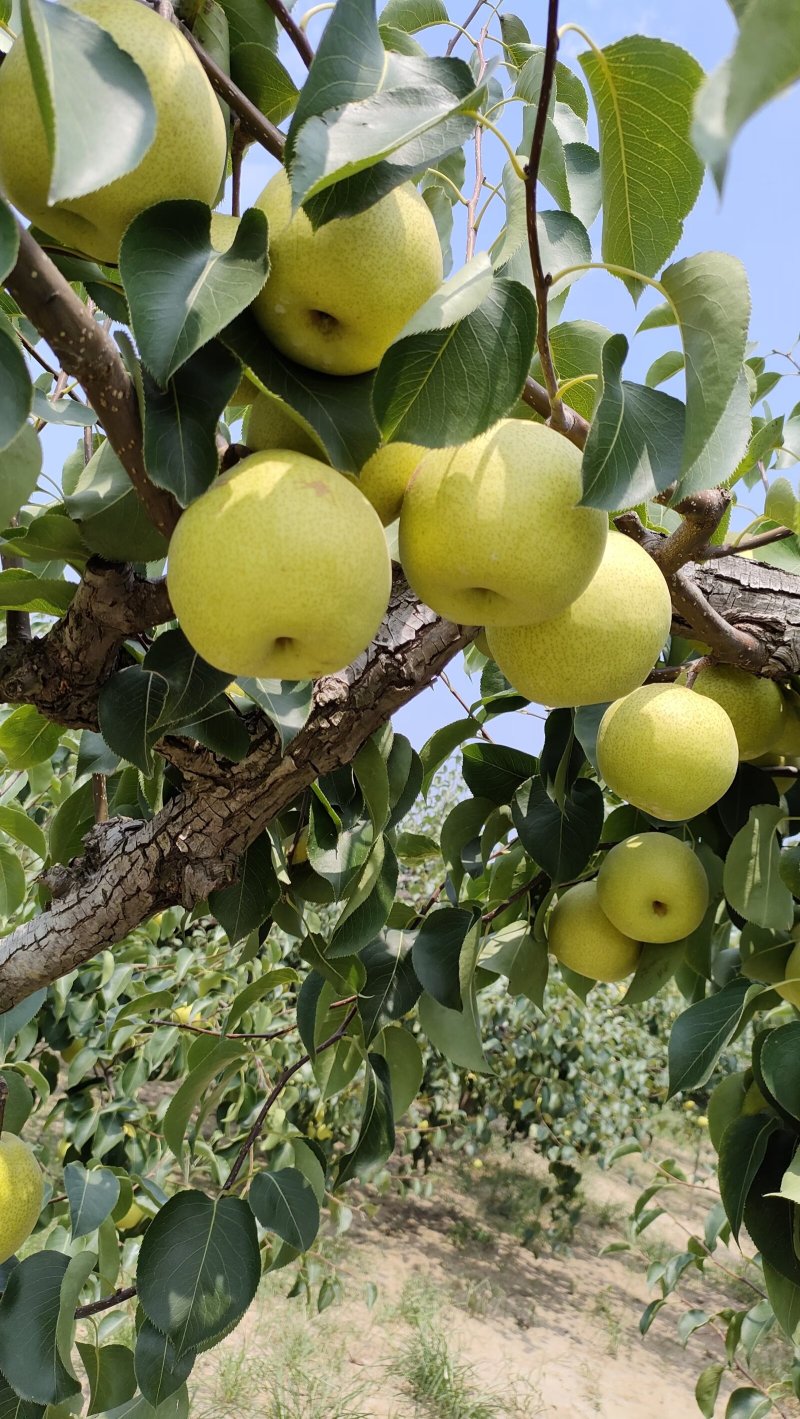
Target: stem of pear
[{"x": 3, "y": 1100}]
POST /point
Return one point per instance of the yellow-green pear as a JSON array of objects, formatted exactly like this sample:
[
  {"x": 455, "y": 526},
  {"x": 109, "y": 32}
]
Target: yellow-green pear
[
  {"x": 583, "y": 939},
  {"x": 753, "y": 705},
  {"x": 491, "y": 533},
  {"x": 132, "y": 1218},
  {"x": 386, "y": 475},
  {"x": 789, "y": 987},
  {"x": 185, "y": 160},
  {"x": 269, "y": 423},
  {"x": 668, "y": 751},
  {"x": 21, "y": 1190},
  {"x": 603, "y": 645},
  {"x": 337, "y": 297},
  {"x": 653, "y": 887},
  {"x": 280, "y": 570}
]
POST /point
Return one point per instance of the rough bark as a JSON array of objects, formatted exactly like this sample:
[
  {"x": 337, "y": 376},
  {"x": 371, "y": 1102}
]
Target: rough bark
[{"x": 131, "y": 869}]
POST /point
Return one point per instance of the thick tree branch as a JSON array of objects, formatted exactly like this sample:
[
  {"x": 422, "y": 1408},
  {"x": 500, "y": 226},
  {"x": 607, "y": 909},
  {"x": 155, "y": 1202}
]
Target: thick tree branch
[
  {"x": 131, "y": 868},
  {"x": 88, "y": 353},
  {"x": 574, "y": 426}
]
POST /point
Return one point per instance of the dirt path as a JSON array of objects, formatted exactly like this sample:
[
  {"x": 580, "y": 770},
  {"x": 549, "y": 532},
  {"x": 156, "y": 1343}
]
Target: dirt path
[{"x": 460, "y": 1302}]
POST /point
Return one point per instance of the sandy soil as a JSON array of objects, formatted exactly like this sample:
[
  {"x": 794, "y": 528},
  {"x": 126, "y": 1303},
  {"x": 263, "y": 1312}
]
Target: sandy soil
[{"x": 551, "y": 1336}]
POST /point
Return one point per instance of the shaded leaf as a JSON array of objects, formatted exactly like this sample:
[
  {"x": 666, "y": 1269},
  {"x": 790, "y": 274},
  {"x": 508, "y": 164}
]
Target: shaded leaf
[
  {"x": 752, "y": 878},
  {"x": 701, "y": 1033},
  {"x": 286, "y": 702},
  {"x": 180, "y": 421},
  {"x": 284, "y": 1203},
  {"x": 437, "y": 951},
  {"x": 561, "y": 842},
  {"x": 109, "y": 1370},
  {"x": 20, "y": 466},
  {"x": 244, "y": 906},
  {"x": 375, "y": 1141},
  {"x": 30, "y": 1306},
  {"x": 92, "y": 1194},
  {"x": 741, "y": 1153}
]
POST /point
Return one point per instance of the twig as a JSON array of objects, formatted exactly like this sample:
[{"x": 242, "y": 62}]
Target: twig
[
  {"x": 456, "y": 696},
  {"x": 100, "y": 798},
  {"x": 472, "y": 205},
  {"x": 3, "y": 1101},
  {"x": 298, "y": 37},
  {"x": 573, "y": 426},
  {"x": 115, "y": 1299},
  {"x": 468, "y": 21},
  {"x": 237, "y": 152},
  {"x": 747, "y": 544},
  {"x": 283, "y": 1080},
  {"x": 225, "y": 1035},
  {"x": 542, "y": 281},
  {"x": 539, "y": 880},
  {"x": 251, "y": 118}
]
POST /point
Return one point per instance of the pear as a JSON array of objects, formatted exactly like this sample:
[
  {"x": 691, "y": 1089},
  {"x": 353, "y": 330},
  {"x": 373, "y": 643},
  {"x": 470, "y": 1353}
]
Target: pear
[
  {"x": 788, "y": 740},
  {"x": 337, "y": 297},
  {"x": 753, "y": 705},
  {"x": 668, "y": 751},
  {"x": 603, "y": 645},
  {"x": 386, "y": 475},
  {"x": 186, "y": 158},
  {"x": 491, "y": 533},
  {"x": 582, "y": 938},
  {"x": 269, "y": 423},
  {"x": 21, "y": 1190},
  {"x": 789, "y": 987},
  {"x": 280, "y": 570},
  {"x": 652, "y": 887}
]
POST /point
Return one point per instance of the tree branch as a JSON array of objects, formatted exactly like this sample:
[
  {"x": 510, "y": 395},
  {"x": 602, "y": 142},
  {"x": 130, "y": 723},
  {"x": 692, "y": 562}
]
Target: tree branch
[
  {"x": 574, "y": 426},
  {"x": 541, "y": 280},
  {"x": 251, "y": 119},
  {"x": 131, "y": 869},
  {"x": 89, "y": 354},
  {"x": 298, "y": 37}
]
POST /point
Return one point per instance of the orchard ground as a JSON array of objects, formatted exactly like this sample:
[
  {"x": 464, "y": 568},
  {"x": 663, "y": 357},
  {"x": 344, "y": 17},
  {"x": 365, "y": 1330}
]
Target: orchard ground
[{"x": 445, "y": 1314}]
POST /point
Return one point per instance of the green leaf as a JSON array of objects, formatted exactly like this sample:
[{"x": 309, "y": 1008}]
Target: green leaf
[
  {"x": 413, "y": 15},
  {"x": 19, "y": 1105},
  {"x": 70, "y": 824},
  {"x": 707, "y": 1389},
  {"x": 415, "y": 116},
  {"x": 577, "y": 347},
  {"x": 348, "y": 65},
  {"x": 109, "y": 1370},
  {"x": 181, "y": 290},
  {"x": 129, "y": 706},
  {"x": 17, "y": 389},
  {"x": 765, "y": 61},
  {"x": 561, "y": 842},
  {"x": 367, "y": 909},
  {"x": 784, "y": 1297},
  {"x": 30, "y": 1307},
  {"x": 643, "y": 90},
  {"x": 94, "y": 756},
  {"x": 496, "y": 771},
  {"x": 27, "y": 738},
  {"x": 180, "y": 422},
  {"x": 12, "y": 882},
  {"x": 720, "y": 458},
  {"x": 207, "y": 1059},
  {"x": 339, "y": 411},
  {"x": 655, "y": 967},
  {"x": 634, "y": 446},
  {"x": 20, "y": 466},
  {"x": 402, "y": 1053},
  {"x": 701, "y": 1033},
  {"x": 76, "y": 1275},
  {"x": 752, "y": 879},
  {"x": 244, "y": 906},
  {"x": 249, "y": 21},
  {"x": 748, "y": 1403},
  {"x": 445, "y": 386},
  {"x": 372, "y": 777},
  {"x": 284, "y": 1203},
  {"x": 159, "y": 1372},
  {"x": 437, "y": 951},
  {"x": 112, "y": 519},
  {"x": 92, "y": 1195},
  {"x": 286, "y": 702},
  {"x": 191, "y": 683},
  {"x": 85, "y": 84},
  {"x": 22, "y": 590},
  {"x": 375, "y": 1141},
  {"x": 711, "y": 299},
  {"x": 662, "y": 369},
  {"x": 176, "y": 1407},
  {"x": 779, "y": 1063},
  {"x": 199, "y": 1268},
  {"x": 441, "y": 745},
  {"x": 12, "y": 1407},
  {"x": 390, "y": 987},
  {"x": 12, "y": 1021},
  {"x": 260, "y": 74},
  {"x": 9, "y": 240},
  {"x": 742, "y": 1151}
]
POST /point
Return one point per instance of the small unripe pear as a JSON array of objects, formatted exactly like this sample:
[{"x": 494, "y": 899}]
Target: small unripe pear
[{"x": 653, "y": 887}]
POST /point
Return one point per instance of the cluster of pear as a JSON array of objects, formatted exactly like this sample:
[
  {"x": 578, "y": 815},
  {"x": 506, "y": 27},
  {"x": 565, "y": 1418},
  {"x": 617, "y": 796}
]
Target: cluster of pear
[
  {"x": 21, "y": 1192},
  {"x": 651, "y": 889}
]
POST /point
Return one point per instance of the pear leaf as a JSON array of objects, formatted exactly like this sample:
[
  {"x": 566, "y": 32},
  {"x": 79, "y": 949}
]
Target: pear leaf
[{"x": 85, "y": 84}]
